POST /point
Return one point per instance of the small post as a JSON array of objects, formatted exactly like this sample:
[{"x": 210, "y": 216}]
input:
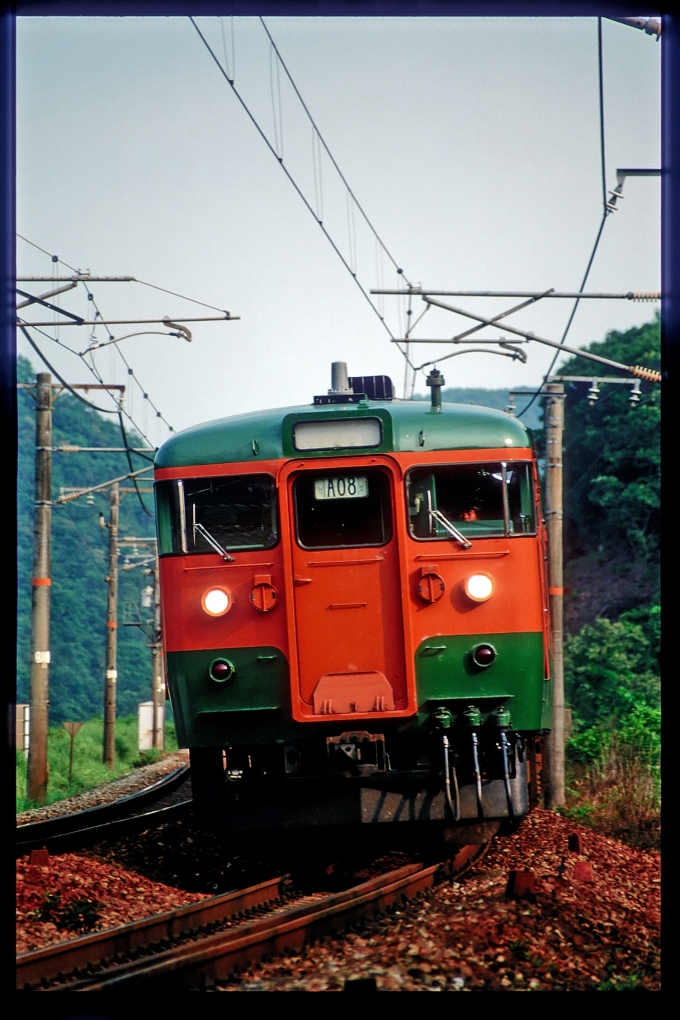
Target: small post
[
  {"x": 435, "y": 381},
  {"x": 40, "y": 636},
  {"x": 109, "y": 755},
  {"x": 71, "y": 728},
  {"x": 554, "y": 430}
]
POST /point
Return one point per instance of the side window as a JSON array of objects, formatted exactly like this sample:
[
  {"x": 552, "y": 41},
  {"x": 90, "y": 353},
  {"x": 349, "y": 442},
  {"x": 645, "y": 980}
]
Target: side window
[
  {"x": 199, "y": 515},
  {"x": 521, "y": 508},
  {"x": 342, "y": 509},
  {"x": 479, "y": 500}
]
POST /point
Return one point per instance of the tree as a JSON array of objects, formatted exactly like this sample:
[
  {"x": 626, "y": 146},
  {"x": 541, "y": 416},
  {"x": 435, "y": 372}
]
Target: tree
[
  {"x": 79, "y": 564},
  {"x": 611, "y": 454}
]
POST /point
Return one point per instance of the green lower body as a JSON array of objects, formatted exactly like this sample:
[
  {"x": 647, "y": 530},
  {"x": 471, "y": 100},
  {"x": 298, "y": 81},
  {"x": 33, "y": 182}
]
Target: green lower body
[{"x": 252, "y": 707}]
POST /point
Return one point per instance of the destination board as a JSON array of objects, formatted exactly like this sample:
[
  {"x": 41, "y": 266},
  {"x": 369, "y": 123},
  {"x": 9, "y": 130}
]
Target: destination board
[{"x": 341, "y": 487}]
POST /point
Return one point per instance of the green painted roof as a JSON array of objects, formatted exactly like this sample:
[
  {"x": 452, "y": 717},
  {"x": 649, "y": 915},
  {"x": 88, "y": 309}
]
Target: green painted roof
[{"x": 265, "y": 435}]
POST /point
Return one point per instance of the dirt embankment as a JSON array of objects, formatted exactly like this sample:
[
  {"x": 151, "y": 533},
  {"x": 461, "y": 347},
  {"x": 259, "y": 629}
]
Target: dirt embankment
[{"x": 595, "y": 587}]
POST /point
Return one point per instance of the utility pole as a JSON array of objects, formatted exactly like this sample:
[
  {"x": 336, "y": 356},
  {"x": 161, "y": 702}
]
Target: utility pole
[
  {"x": 157, "y": 659},
  {"x": 109, "y": 756},
  {"x": 40, "y": 637},
  {"x": 554, "y": 430}
]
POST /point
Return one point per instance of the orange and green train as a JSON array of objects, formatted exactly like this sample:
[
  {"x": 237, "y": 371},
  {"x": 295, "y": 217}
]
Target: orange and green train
[{"x": 355, "y": 611}]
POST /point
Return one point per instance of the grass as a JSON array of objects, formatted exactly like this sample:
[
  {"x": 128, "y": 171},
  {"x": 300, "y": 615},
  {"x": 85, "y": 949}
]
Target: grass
[
  {"x": 89, "y": 770},
  {"x": 618, "y": 794}
]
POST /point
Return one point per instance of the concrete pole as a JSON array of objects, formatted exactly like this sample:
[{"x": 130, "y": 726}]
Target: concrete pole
[
  {"x": 109, "y": 755},
  {"x": 157, "y": 662},
  {"x": 554, "y": 431},
  {"x": 40, "y": 635}
]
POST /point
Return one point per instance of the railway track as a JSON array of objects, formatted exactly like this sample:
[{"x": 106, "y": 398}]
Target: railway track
[
  {"x": 198, "y": 945},
  {"x": 164, "y": 801}
]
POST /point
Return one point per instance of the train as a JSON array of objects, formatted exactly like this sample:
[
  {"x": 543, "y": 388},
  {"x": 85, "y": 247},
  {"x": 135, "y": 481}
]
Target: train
[{"x": 355, "y": 614}]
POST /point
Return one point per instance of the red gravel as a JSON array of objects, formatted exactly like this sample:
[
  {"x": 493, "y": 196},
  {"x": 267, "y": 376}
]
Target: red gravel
[
  {"x": 569, "y": 935},
  {"x": 118, "y": 896}
]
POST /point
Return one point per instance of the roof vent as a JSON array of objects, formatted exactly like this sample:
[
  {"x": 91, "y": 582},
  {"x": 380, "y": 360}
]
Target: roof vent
[{"x": 376, "y": 387}]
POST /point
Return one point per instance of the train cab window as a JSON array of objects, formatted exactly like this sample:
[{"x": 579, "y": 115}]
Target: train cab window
[
  {"x": 479, "y": 500},
  {"x": 342, "y": 509},
  {"x": 201, "y": 515}
]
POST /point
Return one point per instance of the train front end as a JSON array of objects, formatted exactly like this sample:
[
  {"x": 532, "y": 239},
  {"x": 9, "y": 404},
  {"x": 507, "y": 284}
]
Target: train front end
[{"x": 355, "y": 613}]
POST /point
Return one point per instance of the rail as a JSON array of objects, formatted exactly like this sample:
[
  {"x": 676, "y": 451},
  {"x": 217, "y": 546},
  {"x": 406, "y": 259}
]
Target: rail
[
  {"x": 142, "y": 954},
  {"x": 106, "y": 820}
]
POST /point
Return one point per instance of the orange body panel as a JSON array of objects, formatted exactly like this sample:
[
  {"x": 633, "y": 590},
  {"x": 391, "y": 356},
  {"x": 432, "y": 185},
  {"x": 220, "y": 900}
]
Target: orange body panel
[{"x": 185, "y": 579}]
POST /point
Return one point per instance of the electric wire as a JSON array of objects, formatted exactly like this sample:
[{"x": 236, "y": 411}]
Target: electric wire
[
  {"x": 292, "y": 180},
  {"x": 144, "y": 283},
  {"x": 53, "y": 370},
  {"x": 96, "y": 373},
  {"x": 605, "y": 213},
  {"x": 88, "y": 403},
  {"x": 330, "y": 156}
]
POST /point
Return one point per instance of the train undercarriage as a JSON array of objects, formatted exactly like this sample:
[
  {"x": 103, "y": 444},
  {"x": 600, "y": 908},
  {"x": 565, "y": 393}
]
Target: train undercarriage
[{"x": 467, "y": 783}]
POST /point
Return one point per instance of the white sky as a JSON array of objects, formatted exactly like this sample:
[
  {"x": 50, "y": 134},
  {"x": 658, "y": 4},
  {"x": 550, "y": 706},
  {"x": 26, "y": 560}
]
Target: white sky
[{"x": 471, "y": 143}]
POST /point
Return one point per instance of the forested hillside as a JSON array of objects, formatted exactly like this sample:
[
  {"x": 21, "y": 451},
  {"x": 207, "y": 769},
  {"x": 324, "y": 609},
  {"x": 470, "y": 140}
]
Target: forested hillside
[{"x": 80, "y": 563}]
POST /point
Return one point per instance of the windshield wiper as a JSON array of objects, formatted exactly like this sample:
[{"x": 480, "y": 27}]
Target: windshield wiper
[
  {"x": 438, "y": 516},
  {"x": 204, "y": 533}
]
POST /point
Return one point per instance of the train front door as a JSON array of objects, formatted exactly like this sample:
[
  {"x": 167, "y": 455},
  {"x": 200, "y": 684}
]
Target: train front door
[{"x": 347, "y": 591}]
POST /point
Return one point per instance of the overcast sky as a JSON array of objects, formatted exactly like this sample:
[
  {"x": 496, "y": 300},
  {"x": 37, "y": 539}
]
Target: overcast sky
[{"x": 472, "y": 145}]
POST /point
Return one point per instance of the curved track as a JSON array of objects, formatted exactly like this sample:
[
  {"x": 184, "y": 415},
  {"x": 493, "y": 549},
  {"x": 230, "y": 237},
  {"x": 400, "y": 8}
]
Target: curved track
[
  {"x": 165, "y": 800},
  {"x": 182, "y": 950}
]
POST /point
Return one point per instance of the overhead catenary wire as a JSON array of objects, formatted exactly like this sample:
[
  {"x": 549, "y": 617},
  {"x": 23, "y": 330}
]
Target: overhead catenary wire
[
  {"x": 82, "y": 277},
  {"x": 292, "y": 180},
  {"x": 605, "y": 212},
  {"x": 330, "y": 154},
  {"x": 67, "y": 386},
  {"x": 91, "y": 366},
  {"x": 93, "y": 407}
]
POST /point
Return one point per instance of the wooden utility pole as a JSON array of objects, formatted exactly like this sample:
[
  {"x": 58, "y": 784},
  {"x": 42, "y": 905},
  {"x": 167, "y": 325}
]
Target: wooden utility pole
[
  {"x": 40, "y": 636},
  {"x": 109, "y": 756},
  {"x": 554, "y": 430},
  {"x": 157, "y": 661}
]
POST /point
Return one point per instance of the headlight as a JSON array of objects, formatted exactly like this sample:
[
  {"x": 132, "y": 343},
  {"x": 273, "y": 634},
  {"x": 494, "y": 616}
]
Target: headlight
[
  {"x": 216, "y": 601},
  {"x": 479, "y": 587}
]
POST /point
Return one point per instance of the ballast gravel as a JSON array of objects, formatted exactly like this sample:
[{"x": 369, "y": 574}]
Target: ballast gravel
[
  {"x": 569, "y": 934},
  {"x": 70, "y": 881},
  {"x": 469, "y": 935},
  {"x": 108, "y": 792}
]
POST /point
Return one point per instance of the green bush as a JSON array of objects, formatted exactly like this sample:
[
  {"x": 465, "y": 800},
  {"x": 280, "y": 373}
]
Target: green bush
[
  {"x": 88, "y": 768},
  {"x": 613, "y": 759},
  {"x": 610, "y": 668}
]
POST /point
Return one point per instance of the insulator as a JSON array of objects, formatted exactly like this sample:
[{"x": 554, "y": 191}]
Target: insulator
[
  {"x": 593, "y": 393},
  {"x": 69, "y": 448},
  {"x": 648, "y": 374},
  {"x": 635, "y": 395},
  {"x": 645, "y": 295}
]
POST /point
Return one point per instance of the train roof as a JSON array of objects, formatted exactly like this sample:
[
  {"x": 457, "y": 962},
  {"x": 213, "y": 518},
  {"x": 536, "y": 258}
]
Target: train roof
[{"x": 407, "y": 425}]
